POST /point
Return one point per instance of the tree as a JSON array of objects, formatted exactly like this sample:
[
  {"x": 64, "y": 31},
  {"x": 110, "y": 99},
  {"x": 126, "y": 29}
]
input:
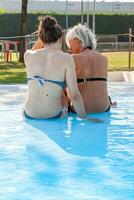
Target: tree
[{"x": 23, "y": 28}]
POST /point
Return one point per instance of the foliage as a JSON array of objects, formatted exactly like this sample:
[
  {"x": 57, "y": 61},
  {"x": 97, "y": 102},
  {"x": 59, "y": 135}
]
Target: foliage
[
  {"x": 12, "y": 72},
  {"x": 119, "y": 61},
  {"x": 105, "y": 23},
  {"x": 2, "y": 11},
  {"x": 15, "y": 72}
]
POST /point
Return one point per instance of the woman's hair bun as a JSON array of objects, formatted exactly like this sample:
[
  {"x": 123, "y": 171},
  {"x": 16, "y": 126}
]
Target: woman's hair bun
[
  {"x": 49, "y": 30},
  {"x": 49, "y": 23}
]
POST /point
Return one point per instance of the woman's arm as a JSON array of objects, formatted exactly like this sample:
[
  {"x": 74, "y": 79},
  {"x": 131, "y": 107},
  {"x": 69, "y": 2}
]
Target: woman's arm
[
  {"x": 76, "y": 65},
  {"x": 74, "y": 93}
]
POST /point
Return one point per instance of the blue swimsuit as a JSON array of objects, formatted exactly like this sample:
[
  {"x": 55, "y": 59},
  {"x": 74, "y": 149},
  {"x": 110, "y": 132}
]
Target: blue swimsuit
[{"x": 42, "y": 81}]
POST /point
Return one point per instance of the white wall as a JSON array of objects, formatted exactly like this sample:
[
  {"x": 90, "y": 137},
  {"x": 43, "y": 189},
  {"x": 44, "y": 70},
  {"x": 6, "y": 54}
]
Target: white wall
[
  {"x": 11, "y": 5},
  {"x": 73, "y": 7}
]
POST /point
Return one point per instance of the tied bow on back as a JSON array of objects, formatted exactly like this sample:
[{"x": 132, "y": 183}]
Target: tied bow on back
[{"x": 41, "y": 81}]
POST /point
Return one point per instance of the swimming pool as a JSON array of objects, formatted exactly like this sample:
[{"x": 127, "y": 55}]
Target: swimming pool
[{"x": 67, "y": 159}]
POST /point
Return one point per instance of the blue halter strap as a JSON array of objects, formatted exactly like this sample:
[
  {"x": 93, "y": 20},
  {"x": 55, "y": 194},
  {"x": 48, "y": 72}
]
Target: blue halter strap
[{"x": 43, "y": 81}]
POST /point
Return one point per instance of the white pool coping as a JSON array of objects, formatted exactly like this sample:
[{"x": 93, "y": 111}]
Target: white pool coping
[{"x": 121, "y": 76}]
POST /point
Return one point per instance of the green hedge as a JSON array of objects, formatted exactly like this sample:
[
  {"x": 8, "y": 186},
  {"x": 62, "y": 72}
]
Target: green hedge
[{"x": 105, "y": 23}]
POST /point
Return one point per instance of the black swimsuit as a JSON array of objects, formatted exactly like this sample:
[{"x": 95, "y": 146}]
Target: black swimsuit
[
  {"x": 79, "y": 80},
  {"x": 84, "y": 80}
]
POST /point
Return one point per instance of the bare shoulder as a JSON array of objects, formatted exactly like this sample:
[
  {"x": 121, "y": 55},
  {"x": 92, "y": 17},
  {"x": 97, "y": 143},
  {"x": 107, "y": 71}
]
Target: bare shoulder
[
  {"x": 28, "y": 54},
  {"x": 105, "y": 59},
  {"x": 102, "y": 57},
  {"x": 77, "y": 57},
  {"x": 68, "y": 58}
]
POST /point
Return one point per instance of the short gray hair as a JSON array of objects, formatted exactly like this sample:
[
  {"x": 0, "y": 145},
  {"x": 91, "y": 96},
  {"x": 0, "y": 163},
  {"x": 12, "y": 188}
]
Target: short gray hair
[{"x": 84, "y": 34}]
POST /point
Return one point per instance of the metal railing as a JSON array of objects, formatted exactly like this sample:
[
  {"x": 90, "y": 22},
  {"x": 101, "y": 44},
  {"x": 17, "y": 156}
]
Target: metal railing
[
  {"x": 12, "y": 53},
  {"x": 114, "y": 46}
]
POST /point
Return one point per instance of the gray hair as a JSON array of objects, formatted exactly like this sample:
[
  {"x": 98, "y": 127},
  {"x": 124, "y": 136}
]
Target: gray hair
[{"x": 84, "y": 34}]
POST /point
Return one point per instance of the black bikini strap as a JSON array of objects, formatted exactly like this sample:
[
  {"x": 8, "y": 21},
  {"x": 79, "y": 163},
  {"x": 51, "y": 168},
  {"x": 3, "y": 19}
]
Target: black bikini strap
[
  {"x": 90, "y": 79},
  {"x": 88, "y": 47}
]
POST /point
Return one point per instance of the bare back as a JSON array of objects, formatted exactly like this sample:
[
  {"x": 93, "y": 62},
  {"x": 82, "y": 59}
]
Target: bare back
[
  {"x": 44, "y": 101},
  {"x": 92, "y": 64}
]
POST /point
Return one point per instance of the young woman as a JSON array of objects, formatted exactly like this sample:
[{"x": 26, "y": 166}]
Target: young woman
[
  {"x": 91, "y": 69},
  {"x": 49, "y": 71}
]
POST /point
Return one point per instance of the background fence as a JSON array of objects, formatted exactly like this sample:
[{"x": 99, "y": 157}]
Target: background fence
[
  {"x": 105, "y": 43},
  {"x": 10, "y": 47}
]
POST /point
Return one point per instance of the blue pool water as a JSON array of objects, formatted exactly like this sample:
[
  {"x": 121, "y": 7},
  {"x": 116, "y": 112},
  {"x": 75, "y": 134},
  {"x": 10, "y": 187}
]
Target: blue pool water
[{"x": 67, "y": 159}]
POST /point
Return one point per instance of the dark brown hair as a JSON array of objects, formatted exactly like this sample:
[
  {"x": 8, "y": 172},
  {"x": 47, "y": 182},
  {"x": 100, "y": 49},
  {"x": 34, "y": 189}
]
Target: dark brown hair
[{"x": 49, "y": 31}]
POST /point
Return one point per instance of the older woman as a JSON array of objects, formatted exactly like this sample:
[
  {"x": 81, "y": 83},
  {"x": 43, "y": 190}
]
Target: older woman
[
  {"x": 49, "y": 70},
  {"x": 91, "y": 69}
]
